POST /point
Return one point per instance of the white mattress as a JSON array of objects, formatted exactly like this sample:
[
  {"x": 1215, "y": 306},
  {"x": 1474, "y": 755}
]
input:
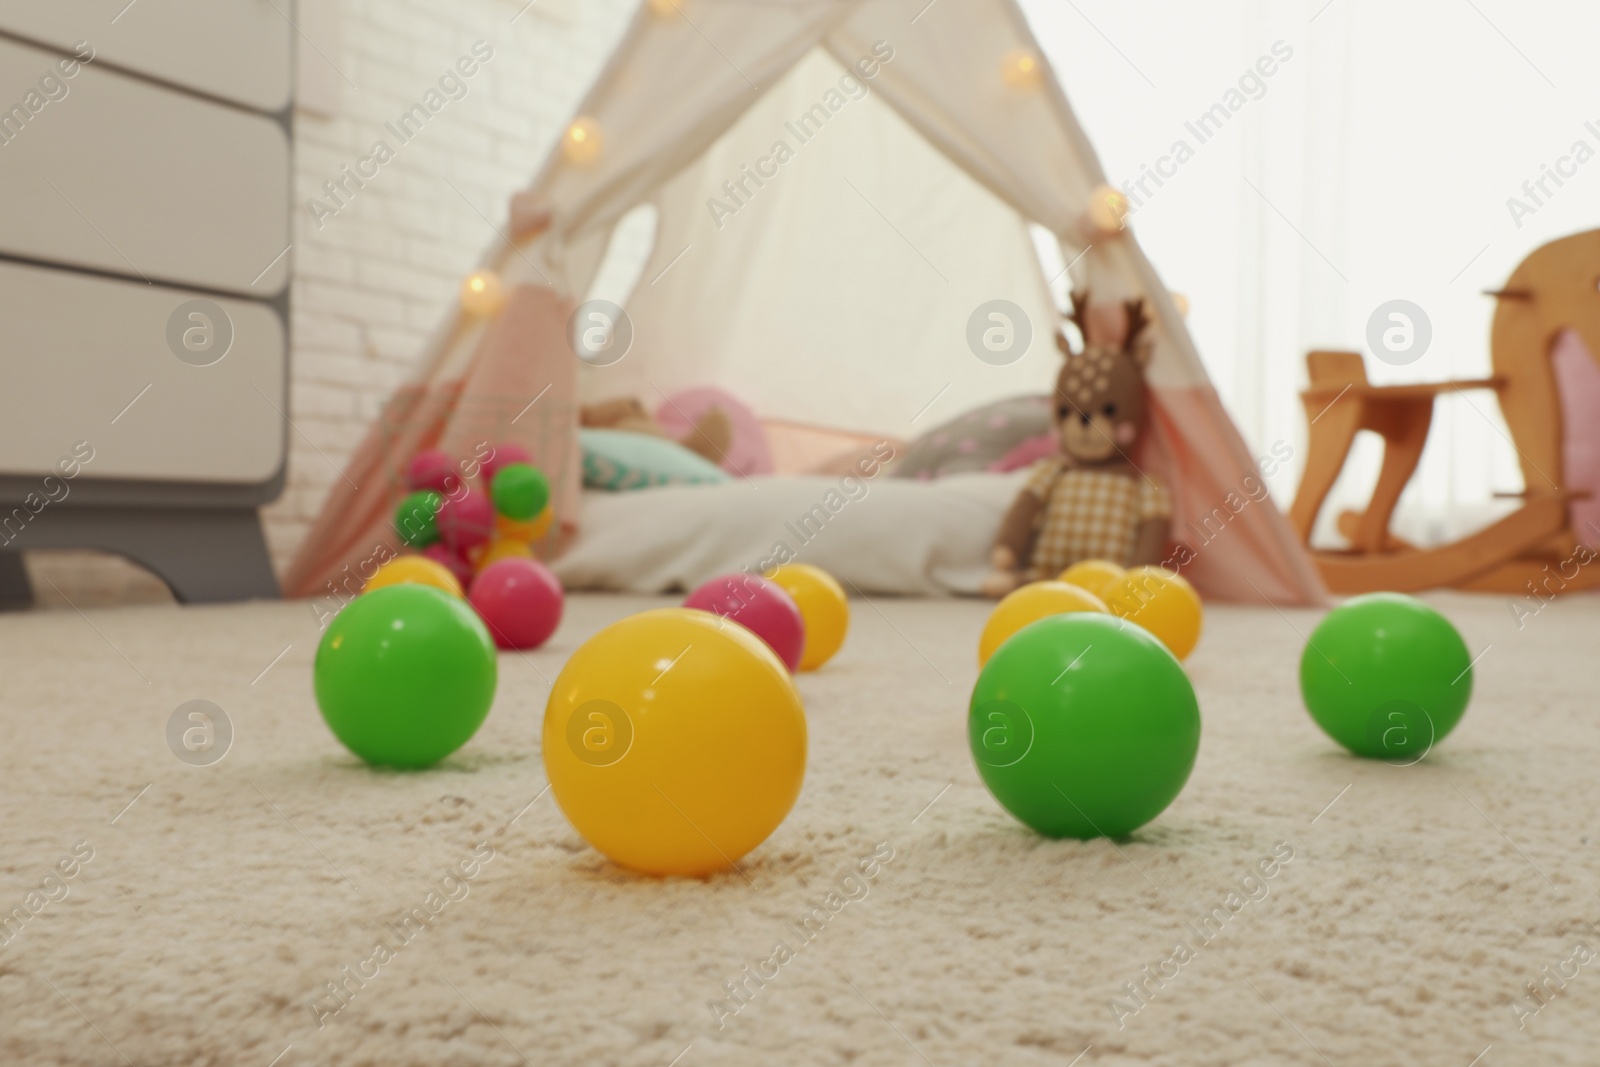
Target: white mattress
[{"x": 887, "y": 535}]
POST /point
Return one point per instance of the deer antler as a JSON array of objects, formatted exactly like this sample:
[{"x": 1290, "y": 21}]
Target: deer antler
[
  {"x": 1079, "y": 315},
  {"x": 1137, "y": 321}
]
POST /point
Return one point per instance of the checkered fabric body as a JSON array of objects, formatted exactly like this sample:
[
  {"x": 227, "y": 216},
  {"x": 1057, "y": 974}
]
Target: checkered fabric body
[{"x": 1090, "y": 514}]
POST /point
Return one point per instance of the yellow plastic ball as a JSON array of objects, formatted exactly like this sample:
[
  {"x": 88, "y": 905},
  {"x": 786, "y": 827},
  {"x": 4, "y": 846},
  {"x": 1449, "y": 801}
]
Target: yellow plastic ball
[
  {"x": 823, "y": 606},
  {"x": 542, "y": 523},
  {"x": 582, "y": 142},
  {"x": 418, "y": 569},
  {"x": 514, "y": 529},
  {"x": 531, "y": 530},
  {"x": 1034, "y": 601},
  {"x": 500, "y": 549},
  {"x": 1099, "y": 576},
  {"x": 674, "y": 743},
  {"x": 482, "y": 293},
  {"x": 1165, "y": 604}
]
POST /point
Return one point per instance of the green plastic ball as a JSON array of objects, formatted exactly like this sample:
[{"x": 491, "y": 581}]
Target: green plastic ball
[
  {"x": 1083, "y": 725},
  {"x": 520, "y": 491},
  {"x": 405, "y": 675},
  {"x": 416, "y": 519},
  {"x": 1386, "y": 676}
]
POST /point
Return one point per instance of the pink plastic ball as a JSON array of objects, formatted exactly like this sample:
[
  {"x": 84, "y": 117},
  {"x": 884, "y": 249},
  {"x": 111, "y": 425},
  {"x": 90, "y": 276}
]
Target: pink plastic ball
[
  {"x": 451, "y": 561},
  {"x": 519, "y": 600},
  {"x": 465, "y": 520},
  {"x": 503, "y": 454},
  {"x": 761, "y": 607},
  {"x": 432, "y": 469}
]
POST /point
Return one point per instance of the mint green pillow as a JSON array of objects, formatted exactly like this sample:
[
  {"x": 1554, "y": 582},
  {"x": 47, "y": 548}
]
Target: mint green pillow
[{"x": 620, "y": 459}]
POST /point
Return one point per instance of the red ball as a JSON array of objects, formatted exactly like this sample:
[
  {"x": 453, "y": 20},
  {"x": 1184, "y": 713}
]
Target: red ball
[
  {"x": 465, "y": 520},
  {"x": 451, "y": 561},
  {"x": 761, "y": 607},
  {"x": 519, "y": 600},
  {"x": 504, "y": 454},
  {"x": 432, "y": 469}
]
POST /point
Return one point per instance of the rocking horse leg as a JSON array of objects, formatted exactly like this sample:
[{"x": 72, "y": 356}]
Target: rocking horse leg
[
  {"x": 1404, "y": 428},
  {"x": 1330, "y": 431},
  {"x": 1350, "y": 522}
]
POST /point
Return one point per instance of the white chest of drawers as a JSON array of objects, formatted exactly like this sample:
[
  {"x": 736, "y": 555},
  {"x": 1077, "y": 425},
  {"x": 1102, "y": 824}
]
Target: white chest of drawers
[{"x": 144, "y": 270}]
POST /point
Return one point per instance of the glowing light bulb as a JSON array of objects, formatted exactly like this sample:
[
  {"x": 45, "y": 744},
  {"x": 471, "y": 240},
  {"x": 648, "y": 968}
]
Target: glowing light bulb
[
  {"x": 582, "y": 141},
  {"x": 1022, "y": 69},
  {"x": 482, "y": 293},
  {"x": 1108, "y": 210}
]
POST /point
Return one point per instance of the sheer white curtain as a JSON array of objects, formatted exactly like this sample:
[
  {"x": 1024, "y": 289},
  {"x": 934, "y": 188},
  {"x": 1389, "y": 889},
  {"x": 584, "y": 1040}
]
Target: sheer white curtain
[{"x": 1374, "y": 162}]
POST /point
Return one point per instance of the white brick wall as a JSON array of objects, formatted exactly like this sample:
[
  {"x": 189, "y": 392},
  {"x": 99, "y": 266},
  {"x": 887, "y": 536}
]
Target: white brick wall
[{"x": 373, "y": 282}]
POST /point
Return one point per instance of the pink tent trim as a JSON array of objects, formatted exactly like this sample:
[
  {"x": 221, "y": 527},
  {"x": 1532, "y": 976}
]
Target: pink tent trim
[
  {"x": 519, "y": 386},
  {"x": 1240, "y": 547}
]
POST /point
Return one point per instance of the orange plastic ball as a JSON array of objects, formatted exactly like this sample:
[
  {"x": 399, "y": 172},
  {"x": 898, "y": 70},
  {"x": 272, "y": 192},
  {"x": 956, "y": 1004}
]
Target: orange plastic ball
[
  {"x": 513, "y": 529},
  {"x": 531, "y": 531},
  {"x": 541, "y": 524}
]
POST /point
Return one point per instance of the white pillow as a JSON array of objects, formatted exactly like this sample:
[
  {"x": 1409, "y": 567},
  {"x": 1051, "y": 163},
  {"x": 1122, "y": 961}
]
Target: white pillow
[{"x": 883, "y": 535}]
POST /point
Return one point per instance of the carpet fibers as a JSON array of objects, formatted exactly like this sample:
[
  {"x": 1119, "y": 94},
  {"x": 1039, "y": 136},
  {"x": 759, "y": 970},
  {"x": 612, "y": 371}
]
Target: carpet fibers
[{"x": 160, "y": 913}]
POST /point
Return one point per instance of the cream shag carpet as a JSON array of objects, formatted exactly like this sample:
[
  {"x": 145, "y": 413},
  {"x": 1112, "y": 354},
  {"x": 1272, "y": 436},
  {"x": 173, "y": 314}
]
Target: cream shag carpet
[{"x": 209, "y": 910}]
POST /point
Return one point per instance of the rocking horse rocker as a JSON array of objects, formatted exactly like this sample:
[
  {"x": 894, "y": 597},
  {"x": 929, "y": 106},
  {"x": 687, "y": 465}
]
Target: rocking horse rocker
[{"x": 1545, "y": 351}]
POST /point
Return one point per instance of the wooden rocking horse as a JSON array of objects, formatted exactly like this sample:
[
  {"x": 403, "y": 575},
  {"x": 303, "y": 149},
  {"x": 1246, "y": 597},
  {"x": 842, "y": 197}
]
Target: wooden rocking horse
[{"x": 1545, "y": 352}]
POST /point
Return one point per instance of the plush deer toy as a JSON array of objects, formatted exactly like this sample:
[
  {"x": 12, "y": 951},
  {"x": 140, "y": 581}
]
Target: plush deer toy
[{"x": 1089, "y": 502}]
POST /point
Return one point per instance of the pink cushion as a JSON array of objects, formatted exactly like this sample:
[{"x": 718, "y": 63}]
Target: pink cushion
[
  {"x": 1578, "y": 386},
  {"x": 1027, "y": 453},
  {"x": 747, "y": 451},
  {"x": 975, "y": 439}
]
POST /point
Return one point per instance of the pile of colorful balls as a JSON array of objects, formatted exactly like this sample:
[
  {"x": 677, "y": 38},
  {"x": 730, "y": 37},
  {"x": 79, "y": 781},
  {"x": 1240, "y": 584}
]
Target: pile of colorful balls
[{"x": 476, "y": 541}]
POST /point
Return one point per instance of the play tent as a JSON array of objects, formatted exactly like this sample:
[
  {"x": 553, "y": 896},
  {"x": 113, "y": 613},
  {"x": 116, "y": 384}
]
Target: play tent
[{"x": 837, "y": 186}]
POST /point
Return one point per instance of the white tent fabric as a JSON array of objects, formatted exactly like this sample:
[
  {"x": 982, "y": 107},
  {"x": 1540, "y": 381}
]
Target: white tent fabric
[
  {"x": 678, "y": 82},
  {"x": 868, "y": 249},
  {"x": 838, "y": 292}
]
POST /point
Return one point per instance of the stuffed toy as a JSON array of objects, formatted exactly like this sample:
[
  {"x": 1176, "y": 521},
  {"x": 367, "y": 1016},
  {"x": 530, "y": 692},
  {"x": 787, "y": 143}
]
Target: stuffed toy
[
  {"x": 708, "y": 438},
  {"x": 1089, "y": 501}
]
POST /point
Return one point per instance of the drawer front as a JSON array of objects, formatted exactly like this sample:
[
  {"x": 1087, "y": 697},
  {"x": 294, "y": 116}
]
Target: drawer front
[
  {"x": 119, "y": 175},
  {"x": 92, "y": 359},
  {"x": 236, "y": 50}
]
